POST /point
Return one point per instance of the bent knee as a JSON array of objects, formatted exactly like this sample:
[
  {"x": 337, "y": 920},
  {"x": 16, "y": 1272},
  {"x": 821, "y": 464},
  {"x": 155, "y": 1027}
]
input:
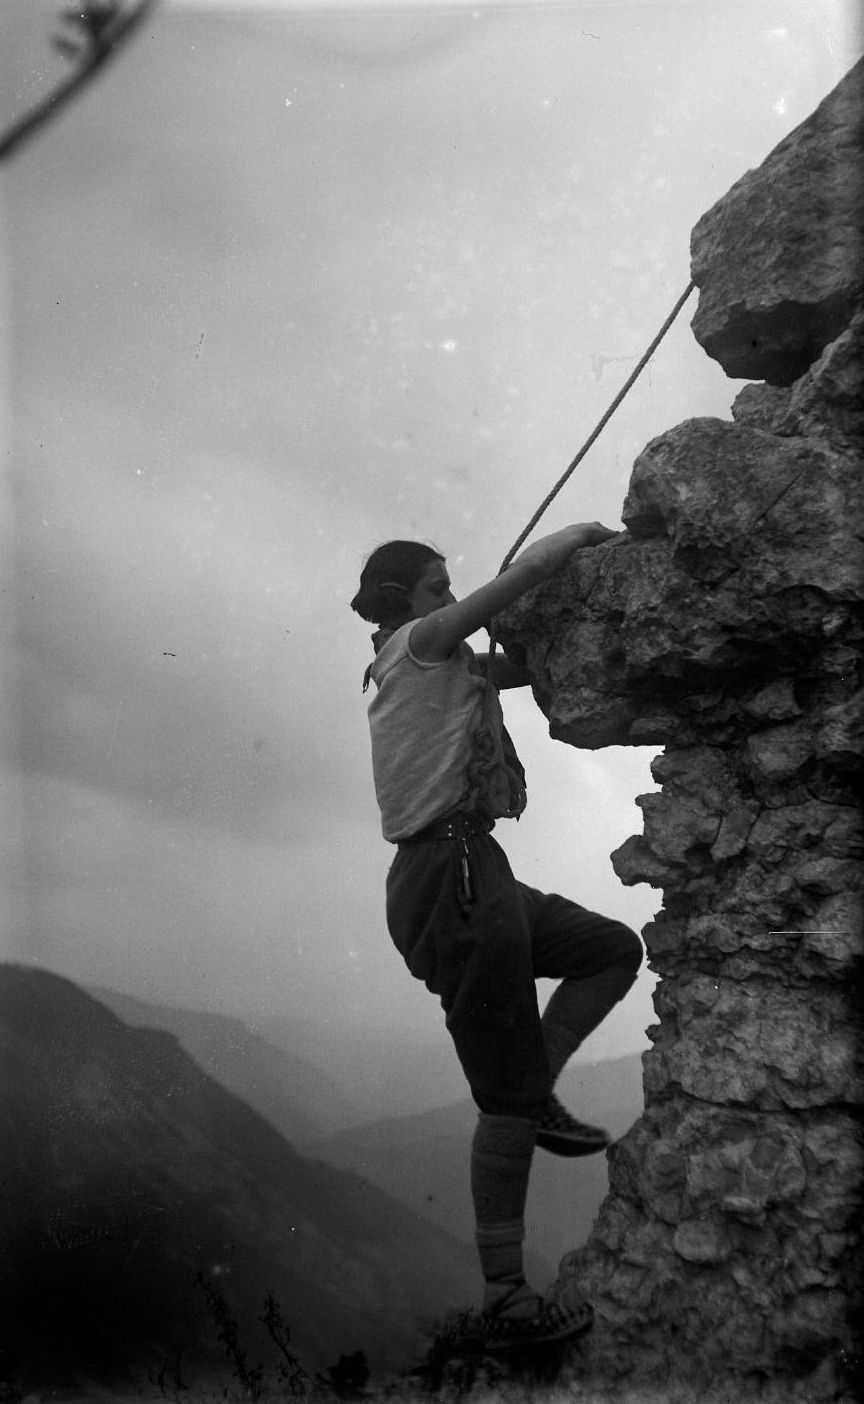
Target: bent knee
[{"x": 626, "y": 950}]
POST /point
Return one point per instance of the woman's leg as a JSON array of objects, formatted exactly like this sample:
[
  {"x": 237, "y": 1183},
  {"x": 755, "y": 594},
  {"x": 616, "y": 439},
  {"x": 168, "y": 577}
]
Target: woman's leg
[
  {"x": 501, "y": 1155},
  {"x": 478, "y": 959},
  {"x": 596, "y": 959}
]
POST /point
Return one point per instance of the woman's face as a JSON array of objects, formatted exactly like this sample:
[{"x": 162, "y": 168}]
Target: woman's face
[{"x": 432, "y": 590}]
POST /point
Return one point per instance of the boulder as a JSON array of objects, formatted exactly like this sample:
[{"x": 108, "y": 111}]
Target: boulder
[
  {"x": 725, "y": 624},
  {"x": 778, "y": 260}
]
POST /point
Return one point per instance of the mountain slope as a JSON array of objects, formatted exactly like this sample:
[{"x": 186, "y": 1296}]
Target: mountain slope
[
  {"x": 423, "y": 1161},
  {"x": 382, "y": 1073},
  {"x": 128, "y": 1170},
  {"x": 299, "y": 1099}
]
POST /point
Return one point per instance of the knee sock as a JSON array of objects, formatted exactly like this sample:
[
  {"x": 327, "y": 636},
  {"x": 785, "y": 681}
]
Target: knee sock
[
  {"x": 501, "y": 1156},
  {"x": 575, "y": 1010}
]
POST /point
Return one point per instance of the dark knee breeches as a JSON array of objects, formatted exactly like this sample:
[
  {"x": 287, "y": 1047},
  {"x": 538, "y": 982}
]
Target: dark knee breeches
[{"x": 482, "y": 960}]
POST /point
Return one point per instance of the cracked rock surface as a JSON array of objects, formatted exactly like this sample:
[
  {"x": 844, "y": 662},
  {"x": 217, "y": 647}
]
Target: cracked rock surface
[
  {"x": 778, "y": 260},
  {"x": 725, "y": 625}
]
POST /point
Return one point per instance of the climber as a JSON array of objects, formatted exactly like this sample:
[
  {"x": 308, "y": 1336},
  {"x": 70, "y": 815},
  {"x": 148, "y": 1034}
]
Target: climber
[{"x": 463, "y": 924}]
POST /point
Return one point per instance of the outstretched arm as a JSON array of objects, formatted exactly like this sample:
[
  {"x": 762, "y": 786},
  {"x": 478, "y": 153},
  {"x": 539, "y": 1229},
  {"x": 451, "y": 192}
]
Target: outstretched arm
[{"x": 434, "y": 637}]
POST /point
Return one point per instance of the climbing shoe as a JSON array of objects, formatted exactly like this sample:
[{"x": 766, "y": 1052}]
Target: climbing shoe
[
  {"x": 551, "y": 1323},
  {"x": 562, "y": 1134}
]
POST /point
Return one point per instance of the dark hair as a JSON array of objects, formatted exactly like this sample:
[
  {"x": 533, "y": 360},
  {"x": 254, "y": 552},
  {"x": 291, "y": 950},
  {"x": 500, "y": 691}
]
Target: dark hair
[{"x": 388, "y": 579}]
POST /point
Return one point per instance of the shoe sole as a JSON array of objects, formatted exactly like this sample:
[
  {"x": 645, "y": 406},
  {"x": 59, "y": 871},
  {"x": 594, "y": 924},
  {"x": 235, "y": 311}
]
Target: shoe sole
[
  {"x": 560, "y": 1145},
  {"x": 562, "y": 1333}
]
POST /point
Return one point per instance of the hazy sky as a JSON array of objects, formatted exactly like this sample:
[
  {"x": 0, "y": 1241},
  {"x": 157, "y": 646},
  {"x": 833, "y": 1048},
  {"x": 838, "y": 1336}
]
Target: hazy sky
[{"x": 284, "y": 284}]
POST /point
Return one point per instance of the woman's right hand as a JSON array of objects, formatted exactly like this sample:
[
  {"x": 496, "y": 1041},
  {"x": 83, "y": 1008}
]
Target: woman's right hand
[
  {"x": 436, "y": 635},
  {"x": 550, "y": 552}
]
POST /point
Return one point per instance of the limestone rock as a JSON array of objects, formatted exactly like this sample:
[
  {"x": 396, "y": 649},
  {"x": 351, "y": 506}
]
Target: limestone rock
[
  {"x": 828, "y": 400},
  {"x": 726, "y": 625},
  {"x": 778, "y": 260},
  {"x": 742, "y": 558}
]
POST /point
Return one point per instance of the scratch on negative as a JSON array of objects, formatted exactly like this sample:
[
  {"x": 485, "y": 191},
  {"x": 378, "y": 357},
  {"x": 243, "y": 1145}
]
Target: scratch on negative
[{"x": 114, "y": 731}]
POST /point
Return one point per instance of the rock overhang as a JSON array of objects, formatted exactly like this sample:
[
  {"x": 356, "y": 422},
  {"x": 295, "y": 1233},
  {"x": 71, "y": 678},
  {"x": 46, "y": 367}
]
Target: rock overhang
[{"x": 725, "y": 624}]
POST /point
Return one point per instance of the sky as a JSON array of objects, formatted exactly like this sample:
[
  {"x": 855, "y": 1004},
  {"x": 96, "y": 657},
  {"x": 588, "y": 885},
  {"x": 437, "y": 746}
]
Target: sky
[{"x": 285, "y": 283}]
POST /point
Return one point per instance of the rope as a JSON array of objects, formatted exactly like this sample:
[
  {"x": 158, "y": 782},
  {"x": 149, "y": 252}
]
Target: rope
[
  {"x": 631, "y": 379},
  {"x": 571, "y": 468}
]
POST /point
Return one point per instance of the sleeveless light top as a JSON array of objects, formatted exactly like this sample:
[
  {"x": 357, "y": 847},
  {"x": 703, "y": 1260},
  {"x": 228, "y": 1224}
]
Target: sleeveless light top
[{"x": 422, "y": 722}]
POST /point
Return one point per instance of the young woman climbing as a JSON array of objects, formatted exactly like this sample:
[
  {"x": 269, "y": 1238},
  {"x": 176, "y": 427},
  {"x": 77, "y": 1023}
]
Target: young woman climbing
[{"x": 444, "y": 772}]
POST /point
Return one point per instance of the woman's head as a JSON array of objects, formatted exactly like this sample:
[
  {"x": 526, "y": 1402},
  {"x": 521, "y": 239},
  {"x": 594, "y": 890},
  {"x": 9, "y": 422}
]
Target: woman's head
[{"x": 389, "y": 579}]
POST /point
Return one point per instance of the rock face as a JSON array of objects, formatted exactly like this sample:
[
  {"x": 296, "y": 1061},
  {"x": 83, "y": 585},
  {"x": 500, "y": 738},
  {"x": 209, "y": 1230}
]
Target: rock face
[
  {"x": 778, "y": 260},
  {"x": 726, "y": 625}
]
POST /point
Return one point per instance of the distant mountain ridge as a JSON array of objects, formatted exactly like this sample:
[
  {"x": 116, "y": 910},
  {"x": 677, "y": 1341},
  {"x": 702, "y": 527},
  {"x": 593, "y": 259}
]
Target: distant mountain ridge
[
  {"x": 420, "y": 1157},
  {"x": 423, "y": 1161},
  {"x": 296, "y": 1097},
  {"x": 309, "y": 1080},
  {"x": 128, "y": 1170},
  {"x": 381, "y": 1072}
]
